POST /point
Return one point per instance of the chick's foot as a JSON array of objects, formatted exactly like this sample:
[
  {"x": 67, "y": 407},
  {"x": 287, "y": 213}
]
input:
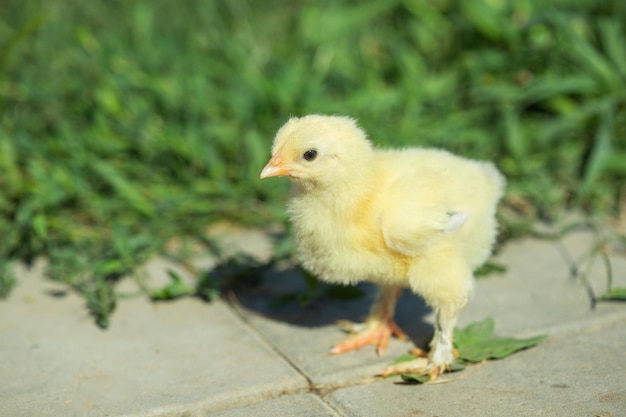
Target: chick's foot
[
  {"x": 419, "y": 366},
  {"x": 372, "y": 332},
  {"x": 423, "y": 364}
]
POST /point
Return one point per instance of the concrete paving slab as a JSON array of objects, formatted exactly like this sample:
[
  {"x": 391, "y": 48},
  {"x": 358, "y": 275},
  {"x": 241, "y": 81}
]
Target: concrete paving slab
[
  {"x": 188, "y": 358},
  {"x": 576, "y": 375},
  {"x": 536, "y": 295},
  {"x": 302, "y": 405},
  {"x": 156, "y": 359},
  {"x": 305, "y": 335},
  {"x": 538, "y": 292}
]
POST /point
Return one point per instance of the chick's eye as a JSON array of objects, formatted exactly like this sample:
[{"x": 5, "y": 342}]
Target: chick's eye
[{"x": 310, "y": 155}]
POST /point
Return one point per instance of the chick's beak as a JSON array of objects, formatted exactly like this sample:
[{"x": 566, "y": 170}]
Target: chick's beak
[{"x": 275, "y": 168}]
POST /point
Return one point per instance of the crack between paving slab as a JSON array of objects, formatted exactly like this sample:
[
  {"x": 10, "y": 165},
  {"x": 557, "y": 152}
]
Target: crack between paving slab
[
  {"x": 200, "y": 408},
  {"x": 237, "y": 308},
  {"x": 321, "y": 390}
]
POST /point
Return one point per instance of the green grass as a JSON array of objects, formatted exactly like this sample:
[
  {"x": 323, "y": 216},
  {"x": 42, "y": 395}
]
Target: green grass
[{"x": 124, "y": 124}]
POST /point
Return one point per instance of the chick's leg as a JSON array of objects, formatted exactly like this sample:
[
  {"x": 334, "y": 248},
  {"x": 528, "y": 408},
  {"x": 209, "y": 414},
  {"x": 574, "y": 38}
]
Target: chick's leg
[
  {"x": 447, "y": 295},
  {"x": 442, "y": 352},
  {"x": 378, "y": 327}
]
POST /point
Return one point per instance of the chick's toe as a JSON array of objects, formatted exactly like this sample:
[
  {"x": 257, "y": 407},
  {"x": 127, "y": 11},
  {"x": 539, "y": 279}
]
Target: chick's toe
[
  {"x": 372, "y": 332},
  {"x": 419, "y": 366},
  {"x": 378, "y": 328}
]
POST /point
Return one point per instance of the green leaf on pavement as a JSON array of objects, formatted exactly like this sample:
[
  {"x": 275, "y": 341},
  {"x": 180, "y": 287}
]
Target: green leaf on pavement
[
  {"x": 495, "y": 348},
  {"x": 489, "y": 268},
  {"x": 474, "y": 332},
  {"x": 415, "y": 378},
  {"x": 615, "y": 294},
  {"x": 175, "y": 289},
  {"x": 476, "y": 343}
]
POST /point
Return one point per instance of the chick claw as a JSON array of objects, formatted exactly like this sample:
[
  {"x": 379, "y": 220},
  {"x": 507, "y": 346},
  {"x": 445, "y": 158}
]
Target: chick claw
[
  {"x": 420, "y": 366},
  {"x": 372, "y": 332}
]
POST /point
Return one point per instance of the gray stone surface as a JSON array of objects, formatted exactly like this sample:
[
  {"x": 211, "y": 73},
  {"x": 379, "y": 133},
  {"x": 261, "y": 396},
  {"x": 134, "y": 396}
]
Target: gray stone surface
[
  {"x": 579, "y": 375},
  {"x": 305, "y": 339},
  {"x": 247, "y": 357},
  {"x": 538, "y": 292},
  {"x": 155, "y": 359},
  {"x": 536, "y": 295}
]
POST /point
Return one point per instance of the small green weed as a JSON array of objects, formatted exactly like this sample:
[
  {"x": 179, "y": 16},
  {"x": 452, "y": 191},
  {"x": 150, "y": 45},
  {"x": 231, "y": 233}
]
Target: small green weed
[{"x": 476, "y": 343}]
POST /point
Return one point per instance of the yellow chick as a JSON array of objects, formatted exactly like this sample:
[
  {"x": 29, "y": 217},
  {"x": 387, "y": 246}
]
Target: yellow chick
[{"x": 417, "y": 218}]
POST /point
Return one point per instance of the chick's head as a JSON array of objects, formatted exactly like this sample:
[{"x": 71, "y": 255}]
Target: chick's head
[{"x": 319, "y": 150}]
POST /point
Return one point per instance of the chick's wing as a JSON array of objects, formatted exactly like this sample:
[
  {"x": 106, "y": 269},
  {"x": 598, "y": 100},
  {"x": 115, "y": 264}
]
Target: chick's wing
[{"x": 416, "y": 217}]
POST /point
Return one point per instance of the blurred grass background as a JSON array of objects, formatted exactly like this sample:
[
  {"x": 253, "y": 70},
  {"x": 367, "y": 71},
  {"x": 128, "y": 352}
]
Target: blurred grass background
[{"x": 126, "y": 123}]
